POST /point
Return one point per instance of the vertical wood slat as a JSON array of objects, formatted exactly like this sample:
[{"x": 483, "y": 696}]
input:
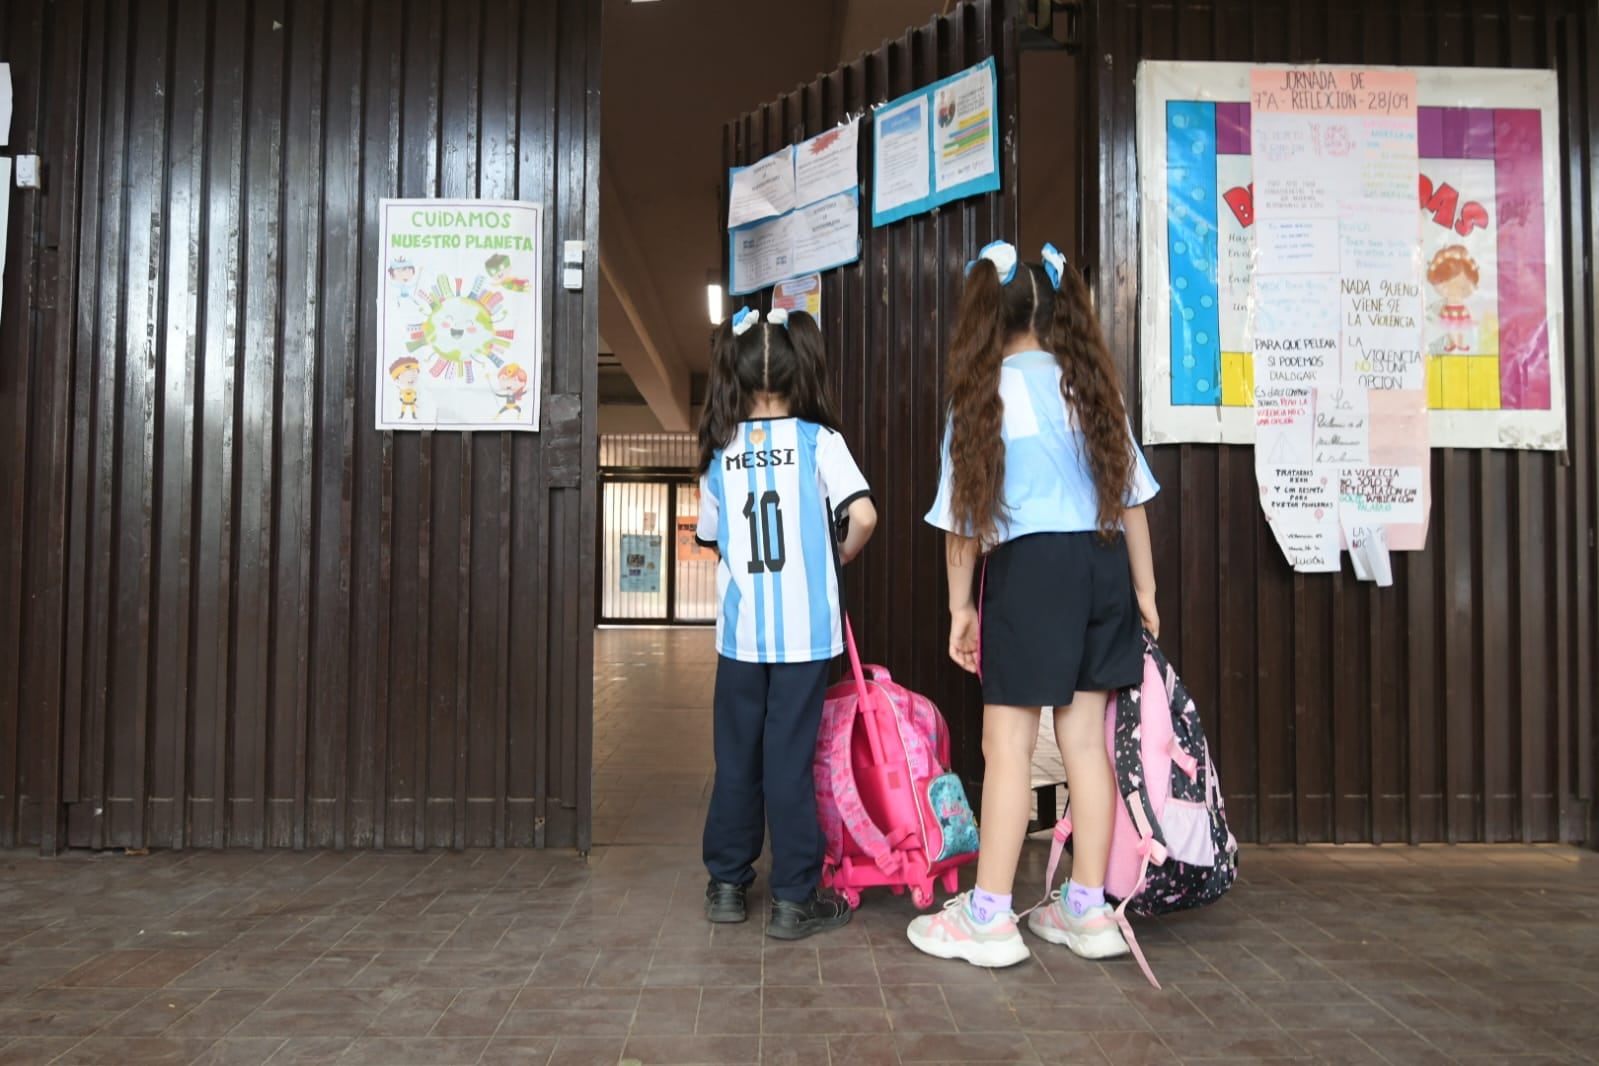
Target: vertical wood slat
[
  {"x": 232, "y": 612},
  {"x": 1342, "y": 712}
]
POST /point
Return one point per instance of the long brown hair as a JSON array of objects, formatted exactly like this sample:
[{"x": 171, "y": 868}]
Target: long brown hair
[
  {"x": 784, "y": 361},
  {"x": 991, "y": 314}
]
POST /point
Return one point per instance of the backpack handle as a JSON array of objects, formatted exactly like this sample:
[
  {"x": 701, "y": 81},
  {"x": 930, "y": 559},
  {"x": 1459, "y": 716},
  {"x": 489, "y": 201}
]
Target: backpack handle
[{"x": 856, "y": 671}]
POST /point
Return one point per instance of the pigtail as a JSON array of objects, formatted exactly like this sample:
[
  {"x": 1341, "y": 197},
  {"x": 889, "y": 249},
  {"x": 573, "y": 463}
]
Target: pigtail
[
  {"x": 725, "y": 401},
  {"x": 977, "y": 445},
  {"x": 811, "y": 398},
  {"x": 1091, "y": 386}
]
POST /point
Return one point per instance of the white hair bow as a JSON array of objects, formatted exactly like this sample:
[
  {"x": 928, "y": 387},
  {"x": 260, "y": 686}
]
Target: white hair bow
[
  {"x": 1003, "y": 255},
  {"x": 746, "y": 318}
]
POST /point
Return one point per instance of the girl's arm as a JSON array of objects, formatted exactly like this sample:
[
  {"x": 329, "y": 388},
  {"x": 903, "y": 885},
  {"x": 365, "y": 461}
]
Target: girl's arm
[
  {"x": 862, "y": 519},
  {"x": 960, "y": 558},
  {"x": 1142, "y": 561}
]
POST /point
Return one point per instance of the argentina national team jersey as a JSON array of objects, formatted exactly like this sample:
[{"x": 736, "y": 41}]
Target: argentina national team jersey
[
  {"x": 766, "y": 503},
  {"x": 1048, "y": 486}
]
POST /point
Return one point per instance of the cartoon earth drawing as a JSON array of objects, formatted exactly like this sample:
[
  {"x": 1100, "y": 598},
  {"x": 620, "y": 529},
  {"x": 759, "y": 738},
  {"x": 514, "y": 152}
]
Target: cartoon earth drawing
[{"x": 461, "y": 329}]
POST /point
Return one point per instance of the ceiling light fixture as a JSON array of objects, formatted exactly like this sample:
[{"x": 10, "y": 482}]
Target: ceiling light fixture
[{"x": 713, "y": 300}]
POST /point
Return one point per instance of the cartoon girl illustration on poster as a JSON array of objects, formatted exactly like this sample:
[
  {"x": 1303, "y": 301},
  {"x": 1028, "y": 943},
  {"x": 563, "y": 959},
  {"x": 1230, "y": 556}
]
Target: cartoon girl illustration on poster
[
  {"x": 510, "y": 385},
  {"x": 1454, "y": 276}
]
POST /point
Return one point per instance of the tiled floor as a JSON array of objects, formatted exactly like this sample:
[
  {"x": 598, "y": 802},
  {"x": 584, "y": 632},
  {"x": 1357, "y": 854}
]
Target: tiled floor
[{"x": 1348, "y": 955}]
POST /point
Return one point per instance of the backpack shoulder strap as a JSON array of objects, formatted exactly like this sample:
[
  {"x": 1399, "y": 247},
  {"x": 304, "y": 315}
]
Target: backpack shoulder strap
[{"x": 848, "y": 797}]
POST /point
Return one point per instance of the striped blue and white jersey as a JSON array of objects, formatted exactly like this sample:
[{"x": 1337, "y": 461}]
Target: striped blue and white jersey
[
  {"x": 767, "y": 504},
  {"x": 1048, "y": 486}
]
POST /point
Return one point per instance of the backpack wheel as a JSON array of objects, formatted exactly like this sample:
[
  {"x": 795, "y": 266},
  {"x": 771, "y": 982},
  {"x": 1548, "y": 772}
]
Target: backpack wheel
[
  {"x": 922, "y": 897},
  {"x": 853, "y": 898}
]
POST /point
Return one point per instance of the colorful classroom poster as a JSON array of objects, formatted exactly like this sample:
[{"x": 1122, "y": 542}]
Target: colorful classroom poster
[
  {"x": 689, "y": 549},
  {"x": 641, "y": 563},
  {"x": 936, "y": 145},
  {"x": 1338, "y": 319},
  {"x": 459, "y": 315},
  {"x": 800, "y": 294},
  {"x": 1487, "y": 199}
]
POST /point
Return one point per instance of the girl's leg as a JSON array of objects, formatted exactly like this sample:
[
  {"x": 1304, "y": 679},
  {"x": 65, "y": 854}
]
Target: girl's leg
[
  {"x": 1080, "y": 732},
  {"x": 793, "y": 718},
  {"x": 980, "y": 928},
  {"x": 1081, "y": 920},
  {"x": 735, "y": 825},
  {"x": 1009, "y": 736}
]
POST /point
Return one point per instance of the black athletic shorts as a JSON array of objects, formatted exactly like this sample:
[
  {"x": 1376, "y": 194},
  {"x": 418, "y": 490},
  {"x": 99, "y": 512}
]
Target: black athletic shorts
[{"x": 1059, "y": 616}]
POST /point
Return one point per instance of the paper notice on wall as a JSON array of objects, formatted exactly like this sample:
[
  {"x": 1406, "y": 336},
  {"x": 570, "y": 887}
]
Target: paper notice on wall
[
  {"x": 1337, "y": 312},
  {"x": 965, "y": 121},
  {"x": 5, "y": 106},
  {"x": 800, "y": 294},
  {"x": 762, "y": 255},
  {"x": 827, "y": 164},
  {"x": 5, "y": 214},
  {"x": 827, "y": 234},
  {"x": 763, "y": 190},
  {"x": 901, "y": 158}
]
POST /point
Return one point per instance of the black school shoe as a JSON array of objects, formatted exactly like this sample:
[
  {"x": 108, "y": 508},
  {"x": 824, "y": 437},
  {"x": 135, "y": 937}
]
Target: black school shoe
[
  {"x": 819, "y": 914},
  {"x": 724, "y": 902}
]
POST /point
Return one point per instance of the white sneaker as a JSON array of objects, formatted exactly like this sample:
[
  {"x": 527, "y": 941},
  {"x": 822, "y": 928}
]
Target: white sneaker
[
  {"x": 954, "y": 933},
  {"x": 1095, "y": 935}
]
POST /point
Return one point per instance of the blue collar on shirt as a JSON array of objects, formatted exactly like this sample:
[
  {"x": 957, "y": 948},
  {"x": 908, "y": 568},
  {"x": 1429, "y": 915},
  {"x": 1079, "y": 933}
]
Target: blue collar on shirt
[{"x": 1032, "y": 358}]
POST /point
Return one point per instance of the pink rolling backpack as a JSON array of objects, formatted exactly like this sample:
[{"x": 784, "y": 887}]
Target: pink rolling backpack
[{"x": 892, "y": 812}]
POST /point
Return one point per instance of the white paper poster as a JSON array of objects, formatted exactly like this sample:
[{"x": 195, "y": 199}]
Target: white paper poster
[
  {"x": 1338, "y": 313},
  {"x": 762, "y": 255},
  {"x": 763, "y": 190},
  {"x": 963, "y": 148},
  {"x": 902, "y": 158},
  {"x": 827, "y": 164},
  {"x": 5, "y": 105},
  {"x": 5, "y": 215},
  {"x": 459, "y": 308}
]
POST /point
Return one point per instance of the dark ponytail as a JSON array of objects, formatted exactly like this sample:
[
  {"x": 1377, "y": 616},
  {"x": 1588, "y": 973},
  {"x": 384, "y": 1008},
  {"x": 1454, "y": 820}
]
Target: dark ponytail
[
  {"x": 810, "y": 397},
  {"x": 1091, "y": 385},
  {"x": 976, "y": 445},
  {"x": 725, "y": 400}
]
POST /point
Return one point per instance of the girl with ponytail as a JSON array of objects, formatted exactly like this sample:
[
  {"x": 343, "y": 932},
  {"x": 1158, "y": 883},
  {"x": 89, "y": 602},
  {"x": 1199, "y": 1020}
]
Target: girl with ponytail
[
  {"x": 1043, "y": 487},
  {"x": 776, "y": 479}
]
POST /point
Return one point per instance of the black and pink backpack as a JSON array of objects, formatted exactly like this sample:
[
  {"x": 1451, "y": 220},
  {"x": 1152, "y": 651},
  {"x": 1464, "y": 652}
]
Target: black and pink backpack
[{"x": 1170, "y": 849}]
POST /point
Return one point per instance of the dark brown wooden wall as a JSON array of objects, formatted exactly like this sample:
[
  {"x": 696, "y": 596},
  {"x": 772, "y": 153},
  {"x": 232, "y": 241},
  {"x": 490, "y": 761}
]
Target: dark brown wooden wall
[
  {"x": 887, "y": 321},
  {"x": 1457, "y": 705},
  {"x": 231, "y": 612}
]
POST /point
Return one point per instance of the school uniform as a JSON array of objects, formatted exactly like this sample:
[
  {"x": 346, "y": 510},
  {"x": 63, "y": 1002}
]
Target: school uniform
[
  {"x": 1058, "y": 611},
  {"x": 769, "y": 504}
]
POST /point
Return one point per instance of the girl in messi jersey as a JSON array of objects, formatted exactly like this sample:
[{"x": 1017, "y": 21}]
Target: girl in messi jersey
[
  {"x": 1043, "y": 488},
  {"x": 776, "y": 480}
]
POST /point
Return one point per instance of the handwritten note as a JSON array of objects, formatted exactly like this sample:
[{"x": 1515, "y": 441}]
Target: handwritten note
[
  {"x": 1337, "y": 304},
  {"x": 1388, "y": 495},
  {"x": 1343, "y": 428}
]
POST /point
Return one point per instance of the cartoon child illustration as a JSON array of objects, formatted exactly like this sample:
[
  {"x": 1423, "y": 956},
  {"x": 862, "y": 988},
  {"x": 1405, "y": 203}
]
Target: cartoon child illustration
[
  {"x": 405, "y": 371},
  {"x": 510, "y": 385},
  {"x": 946, "y": 109},
  {"x": 402, "y": 275},
  {"x": 1453, "y": 274},
  {"x": 499, "y": 268}
]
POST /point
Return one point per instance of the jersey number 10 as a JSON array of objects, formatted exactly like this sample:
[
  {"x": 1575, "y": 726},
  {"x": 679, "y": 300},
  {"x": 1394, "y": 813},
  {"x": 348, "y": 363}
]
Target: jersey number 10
[{"x": 766, "y": 522}]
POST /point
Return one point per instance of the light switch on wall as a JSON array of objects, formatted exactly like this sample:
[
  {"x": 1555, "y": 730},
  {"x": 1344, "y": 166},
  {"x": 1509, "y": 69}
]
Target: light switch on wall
[{"x": 27, "y": 171}]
